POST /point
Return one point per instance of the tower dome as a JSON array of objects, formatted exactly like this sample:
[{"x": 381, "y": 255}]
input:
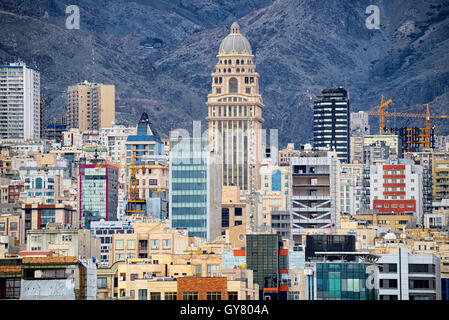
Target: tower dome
[{"x": 234, "y": 42}]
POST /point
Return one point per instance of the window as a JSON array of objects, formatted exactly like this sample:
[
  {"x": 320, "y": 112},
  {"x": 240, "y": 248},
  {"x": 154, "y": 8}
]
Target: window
[
  {"x": 154, "y": 244},
  {"x": 166, "y": 244},
  {"x": 102, "y": 282},
  {"x": 13, "y": 226},
  {"x": 170, "y": 295},
  {"x": 233, "y": 83},
  {"x": 238, "y": 212},
  {"x": 212, "y": 267},
  {"x": 119, "y": 244},
  {"x": 134, "y": 276},
  {"x": 190, "y": 296},
  {"x": 213, "y": 296},
  {"x": 418, "y": 268},
  {"x": 233, "y": 295},
  {"x": 248, "y": 90},
  {"x": 155, "y": 296},
  {"x": 152, "y": 182},
  {"x": 131, "y": 244},
  {"x": 143, "y": 294}
]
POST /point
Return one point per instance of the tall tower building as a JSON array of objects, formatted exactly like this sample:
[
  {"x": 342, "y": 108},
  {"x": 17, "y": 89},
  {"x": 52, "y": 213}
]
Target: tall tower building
[
  {"x": 331, "y": 122},
  {"x": 235, "y": 112},
  {"x": 20, "y": 105},
  {"x": 90, "y": 106}
]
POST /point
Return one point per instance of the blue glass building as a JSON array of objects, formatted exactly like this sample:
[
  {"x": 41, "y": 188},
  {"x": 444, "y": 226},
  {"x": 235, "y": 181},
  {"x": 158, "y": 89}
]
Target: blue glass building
[{"x": 195, "y": 188}]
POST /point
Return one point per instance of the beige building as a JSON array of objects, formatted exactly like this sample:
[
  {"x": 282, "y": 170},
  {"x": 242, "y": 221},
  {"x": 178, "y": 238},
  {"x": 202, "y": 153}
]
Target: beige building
[
  {"x": 64, "y": 242},
  {"x": 233, "y": 210},
  {"x": 275, "y": 190},
  {"x": 235, "y": 112},
  {"x": 91, "y": 106},
  {"x": 148, "y": 238},
  {"x": 286, "y": 154}
]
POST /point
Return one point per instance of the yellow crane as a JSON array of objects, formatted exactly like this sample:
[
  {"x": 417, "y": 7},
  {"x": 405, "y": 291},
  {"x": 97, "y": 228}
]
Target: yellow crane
[{"x": 426, "y": 115}]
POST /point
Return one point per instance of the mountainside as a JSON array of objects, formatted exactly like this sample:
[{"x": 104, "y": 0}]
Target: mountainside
[{"x": 160, "y": 54}]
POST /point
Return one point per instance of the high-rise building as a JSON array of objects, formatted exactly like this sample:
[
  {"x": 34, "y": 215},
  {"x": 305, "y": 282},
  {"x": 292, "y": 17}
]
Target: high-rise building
[
  {"x": 397, "y": 186},
  {"x": 90, "y": 106},
  {"x": 331, "y": 122},
  {"x": 195, "y": 187},
  {"x": 235, "y": 112},
  {"x": 441, "y": 179},
  {"x": 20, "y": 104},
  {"x": 98, "y": 193},
  {"x": 314, "y": 192},
  {"x": 359, "y": 123}
]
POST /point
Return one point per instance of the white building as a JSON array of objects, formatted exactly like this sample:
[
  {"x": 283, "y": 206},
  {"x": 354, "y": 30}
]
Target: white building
[
  {"x": 397, "y": 186},
  {"x": 404, "y": 276},
  {"x": 351, "y": 188},
  {"x": 20, "y": 108},
  {"x": 114, "y": 139}
]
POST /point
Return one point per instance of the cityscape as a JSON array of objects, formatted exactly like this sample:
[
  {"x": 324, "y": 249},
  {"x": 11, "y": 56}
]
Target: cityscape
[{"x": 94, "y": 209}]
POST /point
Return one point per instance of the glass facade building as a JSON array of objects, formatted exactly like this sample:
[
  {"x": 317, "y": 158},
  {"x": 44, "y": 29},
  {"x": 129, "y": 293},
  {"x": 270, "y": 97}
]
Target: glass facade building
[
  {"x": 342, "y": 281},
  {"x": 195, "y": 188},
  {"x": 98, "y": 193},
  {"x": 262, "y": 256}
]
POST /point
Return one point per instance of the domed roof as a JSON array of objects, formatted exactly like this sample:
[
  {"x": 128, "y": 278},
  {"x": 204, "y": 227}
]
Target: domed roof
[{"x": 234, "y": 42}]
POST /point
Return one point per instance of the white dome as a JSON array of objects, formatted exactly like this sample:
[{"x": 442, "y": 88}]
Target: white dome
[{"x": 235, "y": 42}]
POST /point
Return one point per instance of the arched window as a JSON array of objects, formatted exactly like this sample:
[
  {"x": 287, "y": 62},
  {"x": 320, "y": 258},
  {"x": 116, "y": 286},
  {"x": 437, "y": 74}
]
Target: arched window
[
  {"x": 238, "y": 69},
  {"x": 226, "y": 61},
  {"x": 238, "y": 61},
  {"x": 233, "y": 84},
  {"x": 229, "y": 70},
  {"x": 229, "y": 61},
  {"x": 276, "y": 178}
]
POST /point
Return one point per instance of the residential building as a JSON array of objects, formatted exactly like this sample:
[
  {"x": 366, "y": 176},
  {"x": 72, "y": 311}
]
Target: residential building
[
  {"x": 359, "y": 124},
  {"x": 441, "y": 179},
  {"x": 331, "y": 122},
  {"x": 114, "y": 139},
  {"x": 90, "y": 106},
  {"x": 351, "y": 188},
  {"x": 195, "y": 188},
  {"x": 20, "y": 104},
  {"x": 381, "y": 147},
  {"x": 397, "y": 187},
  {"x": 287, "y": 153},
  {"x": 235, "y": 113},
  {"x": 405, "y": 276},
  {"x": 233, "y": 210},
  {"x": 275, "y": 190},
  {"x": 63, "y": 241},
  {"x": 104, "y": 230}
]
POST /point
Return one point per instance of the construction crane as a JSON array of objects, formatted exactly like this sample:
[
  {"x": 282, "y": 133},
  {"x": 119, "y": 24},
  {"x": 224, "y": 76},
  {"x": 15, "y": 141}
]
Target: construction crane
[
  {"x": 381, "y": 113},
  {"x": 427, "y": 116}
]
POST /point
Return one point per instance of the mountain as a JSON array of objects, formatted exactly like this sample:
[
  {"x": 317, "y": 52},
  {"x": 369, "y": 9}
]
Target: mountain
[{"x": 160, "y": 54}]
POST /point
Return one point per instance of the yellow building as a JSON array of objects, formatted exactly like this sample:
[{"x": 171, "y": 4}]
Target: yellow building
[
  {"x": 386, "y": 220},
  {"x": 91, "y": 106}
]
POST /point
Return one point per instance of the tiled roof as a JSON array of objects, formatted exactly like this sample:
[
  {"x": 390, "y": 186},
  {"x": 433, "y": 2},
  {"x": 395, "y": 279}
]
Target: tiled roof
[{"x": 49, "y": 260}]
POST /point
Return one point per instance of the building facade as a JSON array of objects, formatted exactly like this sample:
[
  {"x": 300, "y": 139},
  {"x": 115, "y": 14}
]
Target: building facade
[
  {"x": 331, "y": 122},
  {"x": 235, "y": 112},
  {"x": 20, "y": 104}
]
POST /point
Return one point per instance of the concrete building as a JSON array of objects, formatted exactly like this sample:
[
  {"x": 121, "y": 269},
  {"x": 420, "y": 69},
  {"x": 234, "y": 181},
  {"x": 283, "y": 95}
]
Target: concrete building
[
  {"x": 397, "y": 186},
  {"x": 331, "y": 122},
  {"x": 441, "y": 179},
  {"x": 90, "y": 106},
  {"x": 62, "y": 241},
  {"x": 98, "y": 193},
  {"x": 314, "y": 192},
  {"x": 351, "y": 188},
  {"x": 20, "y": 104},
  {"x": 195, "y": 188},
  {"x": 233, "y": 210},
  {"x": 47, "y": 278},
  {"x": 405, "y": 276},
  {"x": 359, "y": 124},
  {"x": 104, "y": 230},
  {"x": 381, "y": 147},
  {"x": 235, "y": 112}
]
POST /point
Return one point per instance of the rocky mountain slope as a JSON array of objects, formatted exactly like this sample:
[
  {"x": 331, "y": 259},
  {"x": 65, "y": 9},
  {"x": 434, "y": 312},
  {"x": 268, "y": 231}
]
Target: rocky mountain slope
[{"x": 159, "y": 55}]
